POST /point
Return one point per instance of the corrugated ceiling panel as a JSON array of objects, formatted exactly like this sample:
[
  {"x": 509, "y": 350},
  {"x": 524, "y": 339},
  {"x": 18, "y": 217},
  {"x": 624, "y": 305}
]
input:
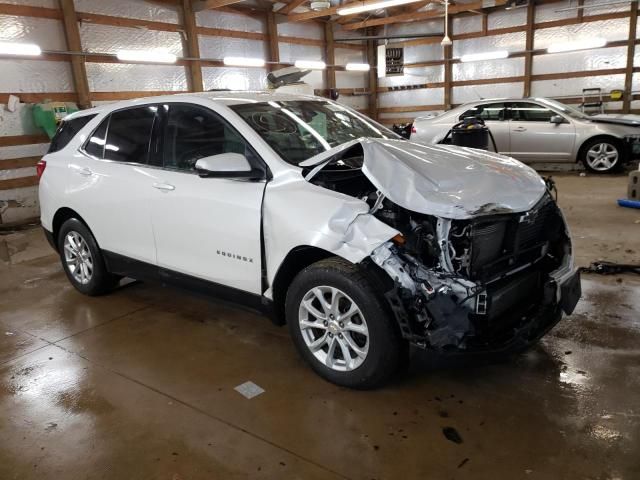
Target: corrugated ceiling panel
[
  {"x": 512, "y": 42},
  {"x": 422, "y": 53},
  {"x": 508, "y": 67},
  {"x": 548, "y": 11},
  {"x": 230, "y": 21},
  {"x": 301, "y": 29},
  {"x": 410, "y": 98},
  {"x": 108, "y": 39},
  {"x": 352, "y": 79},
  {"x": 616, "y": 29},
  {"x": 220, "y": 47},
  {"x": 466, "y": 24},
  {"x": 344, "y": 56},
  {"x": 290, "y": 52},
  {"x": 34, "y": 3},
  {"x": 431, "y": 26},
  {"x": 507, "y": 18},
  {"x": 596, "y": 7},
  {"x": 47, "y": 33},
  {"x": 112, "y": 77},
  {"x": 573, "y": 87},
  {"x": 598, "y": 59},
  {"x": 129, "y": 9},
  {"x": 35, "y": 76},
  {"x": 477, "y": 92}
]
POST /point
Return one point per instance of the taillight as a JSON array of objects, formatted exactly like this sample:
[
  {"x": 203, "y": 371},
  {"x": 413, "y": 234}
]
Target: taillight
[
  {"x": 413, "y": 129},
  {"x": 40, "y": 166}
]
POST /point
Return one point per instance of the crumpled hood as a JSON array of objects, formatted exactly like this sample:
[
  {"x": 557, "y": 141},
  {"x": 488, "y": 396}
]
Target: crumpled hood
[
  {"x": 444, "y": 180},
  {"x": 617, "y": 119}
]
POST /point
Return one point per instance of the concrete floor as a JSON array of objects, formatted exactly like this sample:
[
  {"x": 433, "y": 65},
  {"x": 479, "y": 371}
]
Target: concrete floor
[{"x": 140, "y": 384}]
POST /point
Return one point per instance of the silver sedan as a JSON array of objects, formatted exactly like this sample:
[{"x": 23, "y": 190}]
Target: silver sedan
[{"x": 544, "y": 130}]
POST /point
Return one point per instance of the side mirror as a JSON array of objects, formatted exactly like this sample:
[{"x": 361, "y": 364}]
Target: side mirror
[
  {"x": 557, "y": 119},
  {"x": 224, "y": 165}
]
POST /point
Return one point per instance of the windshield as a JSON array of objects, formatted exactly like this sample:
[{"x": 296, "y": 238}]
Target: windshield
[
  {"x": 566, "y": 109},
  {"x": 299, "y": 129}
]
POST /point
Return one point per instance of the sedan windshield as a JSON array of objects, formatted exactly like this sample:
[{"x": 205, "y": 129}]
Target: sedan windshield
[
  {"x": 566, "y": 109},
  {"x": 299, "y": 129}
]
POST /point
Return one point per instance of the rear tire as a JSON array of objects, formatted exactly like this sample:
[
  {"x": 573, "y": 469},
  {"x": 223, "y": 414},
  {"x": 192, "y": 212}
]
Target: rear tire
[
  {"x": 82, "y": 259},
  {"x": 602, "y": 155},
  {"x": 341, "y": 325}
]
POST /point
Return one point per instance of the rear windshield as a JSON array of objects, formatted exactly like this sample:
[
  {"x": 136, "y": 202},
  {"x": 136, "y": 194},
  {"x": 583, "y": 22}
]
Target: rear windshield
[
  {"x": 298, "y": 130},
  {"x": 66, "y": 131}
]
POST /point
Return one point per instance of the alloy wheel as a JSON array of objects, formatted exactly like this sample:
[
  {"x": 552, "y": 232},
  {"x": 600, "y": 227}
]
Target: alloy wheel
[
  {"x": 78, "y": 257},
  {"x": 602, "y": 156},
  {"x": 333, "y": 328}
]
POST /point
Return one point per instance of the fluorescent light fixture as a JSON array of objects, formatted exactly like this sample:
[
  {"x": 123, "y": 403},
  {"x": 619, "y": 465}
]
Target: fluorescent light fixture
[
  {"x": 8, "y": 48},
  {"x": 310, "y": 64},
  {"x": 476, "y": 57},
  {"x": 581, "y": 45},
  {"x": 357, "y": 67},
  {"x": 365, "y": 7},
  {"x": 243, "y": 62},
  {"x": 153, "y": 56}
]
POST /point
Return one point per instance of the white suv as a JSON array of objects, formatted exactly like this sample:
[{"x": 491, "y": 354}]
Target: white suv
[{"x": 362, "y": 242}]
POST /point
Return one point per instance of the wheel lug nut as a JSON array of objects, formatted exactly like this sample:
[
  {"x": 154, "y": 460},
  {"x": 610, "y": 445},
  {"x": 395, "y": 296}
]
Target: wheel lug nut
[
  {"x": 340, "y": 335},
  {"x": 331, "y": 317},
  {"x": 325, "y": 323},
  {"x": 341, "y": 324},
  {"x": 330, "y": 334}
]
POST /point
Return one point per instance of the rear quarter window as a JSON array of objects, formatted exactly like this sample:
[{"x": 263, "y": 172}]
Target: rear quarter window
[{"x": 67, "y": 130}]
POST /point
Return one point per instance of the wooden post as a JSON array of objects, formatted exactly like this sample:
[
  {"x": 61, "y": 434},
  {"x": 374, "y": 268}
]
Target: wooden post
[
  {"x": 372, "y": 52},
  {"x": 631, "y": 48},
  {"x": 330, "y": 55},
  {"x": 448, "y": 69},
  {"x": 78, "y": 70},
  {"x": 193, "y": 48},
  {"x": 272, "y": 38},
  {"x": 528, "y": 56}
]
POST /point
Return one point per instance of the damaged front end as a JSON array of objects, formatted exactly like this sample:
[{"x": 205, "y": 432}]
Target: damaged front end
[
  {"x": 493, "y": 282},
  {"x": 483, "y": 260}
]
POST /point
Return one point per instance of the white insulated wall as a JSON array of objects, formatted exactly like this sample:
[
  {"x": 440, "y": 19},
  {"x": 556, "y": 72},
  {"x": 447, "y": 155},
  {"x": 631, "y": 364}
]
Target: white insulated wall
[{"x": 605, "y": 58}]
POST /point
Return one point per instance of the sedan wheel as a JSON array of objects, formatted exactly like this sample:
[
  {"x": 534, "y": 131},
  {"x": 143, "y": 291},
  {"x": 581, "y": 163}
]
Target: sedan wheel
[
  {"x": 333, "y": 328},
  {"x": 78, "y": 257},
  {"x": 602, "y": 157}
]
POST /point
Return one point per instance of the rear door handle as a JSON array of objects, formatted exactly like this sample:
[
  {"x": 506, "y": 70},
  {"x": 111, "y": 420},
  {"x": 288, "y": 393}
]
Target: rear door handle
[
  {"x": 165, "y": 187},
  {"x": 519, "y": 129},
  {"x": 85, "y": 171}
]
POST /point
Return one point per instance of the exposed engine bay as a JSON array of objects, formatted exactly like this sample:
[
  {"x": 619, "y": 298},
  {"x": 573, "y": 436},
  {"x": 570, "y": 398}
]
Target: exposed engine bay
[{"x": 470, "y": 284}]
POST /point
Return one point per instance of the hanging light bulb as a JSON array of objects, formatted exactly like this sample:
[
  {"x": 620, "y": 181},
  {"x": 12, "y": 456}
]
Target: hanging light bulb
[{"x": 446, "y": 41}]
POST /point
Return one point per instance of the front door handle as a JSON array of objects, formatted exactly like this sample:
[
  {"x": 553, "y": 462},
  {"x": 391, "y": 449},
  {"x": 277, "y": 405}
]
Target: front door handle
[
  {"x": 165, "y": 187},
  {"x": 519, "y": 129},
  {"x": 85, "y": 171}
]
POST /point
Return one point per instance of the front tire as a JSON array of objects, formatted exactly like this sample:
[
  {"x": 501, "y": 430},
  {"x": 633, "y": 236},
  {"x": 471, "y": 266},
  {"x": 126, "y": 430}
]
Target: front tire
[
  {"x": 341, "y": 326},
  {"x": 82, "y": 259},
  {"x": 602, "y": 155}
]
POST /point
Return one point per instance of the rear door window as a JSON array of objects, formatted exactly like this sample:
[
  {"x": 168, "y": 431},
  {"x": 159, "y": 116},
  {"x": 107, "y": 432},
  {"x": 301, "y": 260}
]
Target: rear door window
[
  {"x": 67, "y": 130},
  {"x": 487, "y": 112},
  {"x": 129, "y": 134},
  {"x": 95, "y": 144}
]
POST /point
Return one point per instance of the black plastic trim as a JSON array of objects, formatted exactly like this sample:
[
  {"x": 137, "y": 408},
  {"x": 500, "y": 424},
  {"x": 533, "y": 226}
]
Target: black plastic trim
[{"x": 138, "y": 270}]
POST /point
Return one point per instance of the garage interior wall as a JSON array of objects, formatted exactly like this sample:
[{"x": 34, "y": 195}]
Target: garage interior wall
[{"x": 108, "y": 26}]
